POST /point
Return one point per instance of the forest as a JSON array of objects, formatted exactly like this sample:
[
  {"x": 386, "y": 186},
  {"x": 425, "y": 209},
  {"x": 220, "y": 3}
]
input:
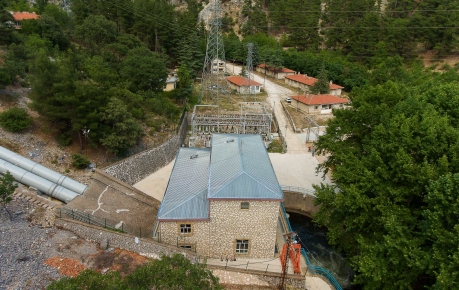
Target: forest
[{"x": 394, "y": 211}]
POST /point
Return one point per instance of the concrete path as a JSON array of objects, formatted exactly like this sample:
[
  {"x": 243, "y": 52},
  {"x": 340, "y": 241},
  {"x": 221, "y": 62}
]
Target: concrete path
[
  {"x": 155, "y": 184},
  {"x": 277, "y": 93},
  {"x": 297, "y": 170}
]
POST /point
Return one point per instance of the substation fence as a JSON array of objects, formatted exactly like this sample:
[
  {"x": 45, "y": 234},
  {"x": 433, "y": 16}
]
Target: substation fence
[
  {"x": 312, "y": 269},
  {"x": 102, "y": 222}
]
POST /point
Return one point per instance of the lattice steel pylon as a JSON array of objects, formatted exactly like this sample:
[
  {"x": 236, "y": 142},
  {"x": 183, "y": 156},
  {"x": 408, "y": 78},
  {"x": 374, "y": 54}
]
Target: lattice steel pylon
[
  {"x": 213, "y": 82},
  {"x": 249, "y": 91}
]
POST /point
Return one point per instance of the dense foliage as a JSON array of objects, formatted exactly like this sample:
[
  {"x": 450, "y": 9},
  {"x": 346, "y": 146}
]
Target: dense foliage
[
  {"x": 174, "y": 272},
  {"x": 104, "y": 67},
  {"x": 393, "y": 208},
  {"x": 79, "y": 161},
  {"x": 15, "y": 120}
]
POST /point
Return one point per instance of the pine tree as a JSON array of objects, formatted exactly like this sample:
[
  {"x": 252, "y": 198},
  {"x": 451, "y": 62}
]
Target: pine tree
[{"x": 321, "y": 86}]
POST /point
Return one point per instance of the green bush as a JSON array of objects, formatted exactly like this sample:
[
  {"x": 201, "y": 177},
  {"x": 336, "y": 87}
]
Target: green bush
[
  {"x": 64, "y": 139},
  {"x": 275, "y": 147},
  {"x": 15, "y": 120},
  {"x": 79, "y": 161}
]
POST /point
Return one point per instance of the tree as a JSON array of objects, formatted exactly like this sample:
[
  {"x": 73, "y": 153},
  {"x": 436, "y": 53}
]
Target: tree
[
  {"x": 384, "y": 152},
  {"x": 96, "y": 31},
  {"x": 185, "y": 83},
  {"x": 144, "y": 70},
  {"x": 122, "y": 130},
  {"x": 321, "y": 86},
  {"x": 7, "y": 188},
  {"x": 174, "y": 272},
  {"x": 442, "y": 230}
]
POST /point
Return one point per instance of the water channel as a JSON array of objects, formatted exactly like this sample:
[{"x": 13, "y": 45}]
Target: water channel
[{"x": 313, "y": 239}]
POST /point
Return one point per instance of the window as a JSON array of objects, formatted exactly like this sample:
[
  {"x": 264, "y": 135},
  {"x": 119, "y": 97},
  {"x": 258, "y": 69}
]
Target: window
[
  {"x": 245, "y": 205},
  {"x": 316, "y": 107},
  {"x": 188, "y": 247},
  {"x": 185, "y": 228},
  {"x": 242, "y": 246}
]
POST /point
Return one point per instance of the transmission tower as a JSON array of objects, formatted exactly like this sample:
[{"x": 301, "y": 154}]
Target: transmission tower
[
  {"x": 249, "y": 92},
  {"x": 213, "y": 82}
]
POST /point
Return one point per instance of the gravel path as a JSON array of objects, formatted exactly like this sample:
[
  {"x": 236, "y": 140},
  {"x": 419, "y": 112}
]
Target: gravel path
[{"x": 23, "y": 249}]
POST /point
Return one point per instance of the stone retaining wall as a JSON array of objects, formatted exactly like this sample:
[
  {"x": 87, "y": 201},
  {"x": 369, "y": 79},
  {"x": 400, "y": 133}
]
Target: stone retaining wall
[
  {"x": 135, "y": 168},
  {"x": 145, "y": 247},
  {"x": 152, "y": 249}
]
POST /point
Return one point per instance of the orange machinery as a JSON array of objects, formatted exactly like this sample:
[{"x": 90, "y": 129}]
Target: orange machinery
[{"x": 295, "y": 257}]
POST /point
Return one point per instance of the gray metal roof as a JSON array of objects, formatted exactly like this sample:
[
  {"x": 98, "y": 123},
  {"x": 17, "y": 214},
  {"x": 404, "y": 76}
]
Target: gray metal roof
[
  {"x": 186, "y": 193},
  {"x": 240, "y": 169},
  {"x": 237, "y": 167}
]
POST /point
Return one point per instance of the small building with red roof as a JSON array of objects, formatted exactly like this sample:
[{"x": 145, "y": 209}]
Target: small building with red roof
[
  {"x": 305, "y": 83},
  {"x": 278, "y": 74},
  {"x": 241, "y": 85},
  {"x": 21, "y": 16},
  {"x": 318, "y": 104}
]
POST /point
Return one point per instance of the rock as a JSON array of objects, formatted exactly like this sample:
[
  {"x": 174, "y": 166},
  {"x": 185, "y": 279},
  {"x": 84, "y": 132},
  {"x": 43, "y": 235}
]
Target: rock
[
  {"x": 104, "y": 244},
  {"x": 104, "y": 271}
]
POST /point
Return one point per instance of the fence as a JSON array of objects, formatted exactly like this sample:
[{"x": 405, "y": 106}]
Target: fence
[
  {"x": 102, "y": 222},
  {"x": 298, "y": 189},
  {"x": 290, "y": 119},
  {"x": 313, "y": 269},
  {"x": 284, "y": 144}
]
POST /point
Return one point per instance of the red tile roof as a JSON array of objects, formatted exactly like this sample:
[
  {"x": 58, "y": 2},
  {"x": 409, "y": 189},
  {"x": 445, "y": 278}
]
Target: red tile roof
[
  {"x": 19, "y": 16},
  {"x": 242, "y": 82},
  {"x": 282, "y": 70},
  {"x": 319, "y": 99},
  {"x": 309, "y": 81}
]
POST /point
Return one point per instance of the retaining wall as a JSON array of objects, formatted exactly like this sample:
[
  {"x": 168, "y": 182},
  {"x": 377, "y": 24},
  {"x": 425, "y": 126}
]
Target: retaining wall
[
  {"x": 300, "y": 203},
  {"x": 135, "y": 168},
  {"x": 152, "y": 249}
]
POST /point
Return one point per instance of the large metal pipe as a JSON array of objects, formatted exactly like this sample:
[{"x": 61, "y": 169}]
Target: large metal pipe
[
  {"x": 42, "y": 171},
  {"x": 30, "y": 179}
]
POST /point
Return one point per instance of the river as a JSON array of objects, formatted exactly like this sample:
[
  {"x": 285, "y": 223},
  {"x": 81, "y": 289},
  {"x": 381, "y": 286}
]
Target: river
[{"x": 321, "y": 254}]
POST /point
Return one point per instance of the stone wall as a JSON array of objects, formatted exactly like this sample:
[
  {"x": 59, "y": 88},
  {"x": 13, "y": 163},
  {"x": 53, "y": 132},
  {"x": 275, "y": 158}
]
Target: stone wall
[
  {"x": 229, "y": 222},
  {"x": 198, "y": 239},
  {"x": 135, "y": 168},
  {"x": 145, "y": 247},
  {"x": 154, "y": 250}
]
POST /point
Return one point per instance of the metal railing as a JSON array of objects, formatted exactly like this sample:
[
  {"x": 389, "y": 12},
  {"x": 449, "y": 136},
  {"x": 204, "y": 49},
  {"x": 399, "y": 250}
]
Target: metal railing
[
  {"x": 298, "y": 189},
  {"x": 313, "y": 269},
  {"x": 101, "y": 222}
]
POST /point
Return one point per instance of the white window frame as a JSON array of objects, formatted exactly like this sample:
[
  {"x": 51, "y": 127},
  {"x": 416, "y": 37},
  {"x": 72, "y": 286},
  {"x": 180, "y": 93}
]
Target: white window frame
[{"x": 242, "y": 246}]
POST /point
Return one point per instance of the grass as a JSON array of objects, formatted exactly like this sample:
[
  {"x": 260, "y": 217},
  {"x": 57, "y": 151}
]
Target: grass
[{"x": 275, "y": 147}]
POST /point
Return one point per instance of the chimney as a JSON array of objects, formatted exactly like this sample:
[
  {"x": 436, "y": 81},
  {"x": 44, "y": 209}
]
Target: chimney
[{"x": 331, "y": 82}]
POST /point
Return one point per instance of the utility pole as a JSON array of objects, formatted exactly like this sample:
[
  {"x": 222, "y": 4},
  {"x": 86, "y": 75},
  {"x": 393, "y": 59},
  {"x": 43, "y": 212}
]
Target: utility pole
[
  {"x": 285, "y": 264},
  {"x": 213, "y": 82}
]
